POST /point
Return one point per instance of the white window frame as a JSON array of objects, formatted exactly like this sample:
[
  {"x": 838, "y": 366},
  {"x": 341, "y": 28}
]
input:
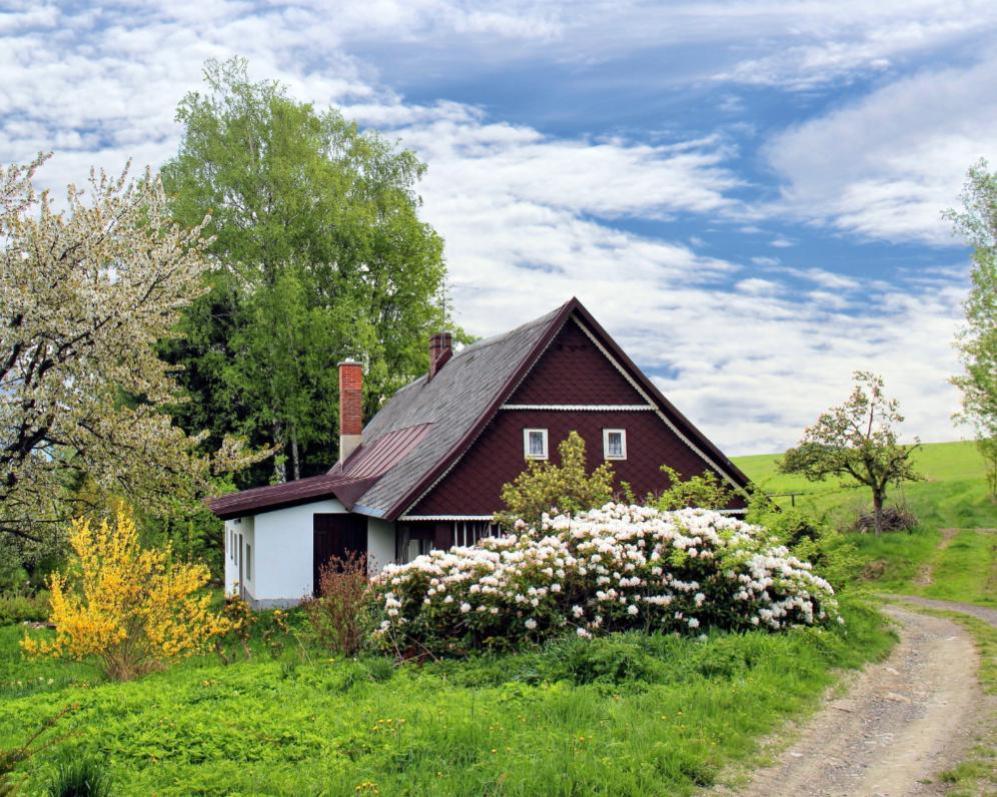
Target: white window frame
[
  {"x": 605, "y": 444},
  {"x": 526, "y": 444}
]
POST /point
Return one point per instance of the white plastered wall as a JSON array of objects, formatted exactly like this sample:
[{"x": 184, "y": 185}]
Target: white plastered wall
[
  {"x": 281, "y": 544},
  {"x": 380, "y": 544}
]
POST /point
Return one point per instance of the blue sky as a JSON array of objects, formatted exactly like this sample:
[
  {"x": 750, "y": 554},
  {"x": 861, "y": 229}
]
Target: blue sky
[{"x": 747, "y": 194}]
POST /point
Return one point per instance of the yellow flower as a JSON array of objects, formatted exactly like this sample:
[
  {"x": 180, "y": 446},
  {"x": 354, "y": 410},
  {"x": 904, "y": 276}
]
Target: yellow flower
[{"x": 133, "y": 608}]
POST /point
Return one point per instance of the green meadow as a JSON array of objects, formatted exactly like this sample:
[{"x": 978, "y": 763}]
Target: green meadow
[
  {"x": 628, "y": 714},
  {"x": 952, "y": 495}
]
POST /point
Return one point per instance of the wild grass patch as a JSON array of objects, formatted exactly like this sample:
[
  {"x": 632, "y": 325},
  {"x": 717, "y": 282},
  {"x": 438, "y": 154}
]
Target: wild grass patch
[{"x": 630, "y": 713}]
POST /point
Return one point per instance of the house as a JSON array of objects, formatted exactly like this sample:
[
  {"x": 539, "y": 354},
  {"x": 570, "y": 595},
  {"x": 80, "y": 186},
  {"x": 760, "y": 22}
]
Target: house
[{"x": 427, "y": 470}]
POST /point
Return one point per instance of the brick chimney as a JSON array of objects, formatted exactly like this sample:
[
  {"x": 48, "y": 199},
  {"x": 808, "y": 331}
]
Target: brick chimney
[
  {"x": 350, "y": 407},
  {"x": 440, "y": 350}
]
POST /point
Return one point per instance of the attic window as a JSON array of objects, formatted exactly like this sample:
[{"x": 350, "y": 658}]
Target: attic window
[
  {"x": 614, "y": 443},
  {"x": 535, "y": 443}
]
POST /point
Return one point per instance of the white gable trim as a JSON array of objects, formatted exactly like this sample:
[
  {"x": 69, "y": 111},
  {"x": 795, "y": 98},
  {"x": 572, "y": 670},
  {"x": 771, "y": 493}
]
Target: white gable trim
[
  {"x": 657, "y": 410},
  {"x": 488, "y": 518},
  {"x": 651, "y": 405},
  {"x": 581, "y": 407}
]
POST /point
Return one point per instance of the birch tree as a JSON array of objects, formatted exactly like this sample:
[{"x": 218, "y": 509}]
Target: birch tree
[
  {"x": 977, "y": 341},
  {"x": 318, "y": 254}
]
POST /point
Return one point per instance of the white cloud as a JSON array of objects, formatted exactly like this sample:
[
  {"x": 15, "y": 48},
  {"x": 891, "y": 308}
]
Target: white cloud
[
  {"x": 825, "y": 42},
  {"x": 887, "y": 165},
  {"x": 528, "y": 217}
]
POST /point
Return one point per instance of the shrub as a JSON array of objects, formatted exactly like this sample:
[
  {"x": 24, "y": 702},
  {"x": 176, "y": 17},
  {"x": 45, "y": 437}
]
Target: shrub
[
  {"x": 337, "y": 614},
  {"x": 615, "y": 568},
  {"x": 133, "y": 608},
  {"x": 546, "y": 488},
  {"x": 79, "y": 777},
  {"x": 832, "y": 554},
  {"x": 706, "y": 491},
  {"x": 20, "y": 607},
  {"x": 898, "y": 517}
]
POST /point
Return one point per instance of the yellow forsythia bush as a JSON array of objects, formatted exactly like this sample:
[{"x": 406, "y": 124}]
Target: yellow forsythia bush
[{"x": 134, "y": 608}]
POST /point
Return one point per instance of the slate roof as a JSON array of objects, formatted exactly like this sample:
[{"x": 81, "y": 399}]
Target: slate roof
[
  {"x": 452, "y": 401},
  {"x": 428, "y": 424},
  {"x": 416, "y": 431}
]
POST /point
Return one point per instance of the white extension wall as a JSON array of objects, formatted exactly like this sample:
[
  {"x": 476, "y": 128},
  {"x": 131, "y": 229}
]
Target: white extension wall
[
  {"x": 380, "y": 544},
  {"x": 280, "y": 558}
]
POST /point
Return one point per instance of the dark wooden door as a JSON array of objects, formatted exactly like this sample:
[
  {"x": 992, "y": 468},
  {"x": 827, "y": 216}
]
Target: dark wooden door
[{"x": 336, "y": 535}]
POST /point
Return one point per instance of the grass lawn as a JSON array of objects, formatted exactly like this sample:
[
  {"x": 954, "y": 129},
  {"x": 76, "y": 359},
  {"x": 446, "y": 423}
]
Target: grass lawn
[
  {"x": 625, "y": 715},
  {"x": 952, "y": 495}
]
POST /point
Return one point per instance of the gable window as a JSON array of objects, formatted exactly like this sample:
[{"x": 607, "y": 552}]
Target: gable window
[
  {"x": 535, "y": 443},
  {"x": 614, "y": 443}
]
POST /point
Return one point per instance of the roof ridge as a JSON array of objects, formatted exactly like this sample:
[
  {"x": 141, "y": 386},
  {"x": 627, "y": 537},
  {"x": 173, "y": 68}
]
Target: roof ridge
[{"x": 501, "y": 336}]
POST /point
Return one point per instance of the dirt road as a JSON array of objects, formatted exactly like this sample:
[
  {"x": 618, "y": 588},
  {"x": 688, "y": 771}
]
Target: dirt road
[{"x": 897, "y": 726}]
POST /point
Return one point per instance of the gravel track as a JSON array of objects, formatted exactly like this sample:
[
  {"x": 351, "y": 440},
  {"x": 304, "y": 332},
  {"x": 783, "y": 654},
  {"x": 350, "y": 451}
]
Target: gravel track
[{"x": 898, "y": 724}]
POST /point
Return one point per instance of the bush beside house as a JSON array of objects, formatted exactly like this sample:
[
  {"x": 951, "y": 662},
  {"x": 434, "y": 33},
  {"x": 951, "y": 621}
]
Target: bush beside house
[{"x": 609, "y": 569}]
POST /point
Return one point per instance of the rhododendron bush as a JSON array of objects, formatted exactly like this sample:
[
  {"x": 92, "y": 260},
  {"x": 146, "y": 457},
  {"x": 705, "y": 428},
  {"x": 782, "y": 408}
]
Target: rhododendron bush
[{"x": 615, "y": 568}]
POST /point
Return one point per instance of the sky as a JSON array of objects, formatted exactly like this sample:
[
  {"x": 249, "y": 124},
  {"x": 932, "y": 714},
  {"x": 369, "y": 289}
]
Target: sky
[{"x": 747, "y": 195}]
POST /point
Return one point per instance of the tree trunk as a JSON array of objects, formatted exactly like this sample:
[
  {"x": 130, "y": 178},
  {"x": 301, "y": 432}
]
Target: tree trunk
[
  {"x": 295, "y": 462},
  {"x": 279, "y": 461},
  {"x": 877, "y": 505}
]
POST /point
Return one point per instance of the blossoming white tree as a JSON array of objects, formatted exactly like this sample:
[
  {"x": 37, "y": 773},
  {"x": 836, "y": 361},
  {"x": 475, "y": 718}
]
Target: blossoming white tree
[{"x": 85, "y": 293}]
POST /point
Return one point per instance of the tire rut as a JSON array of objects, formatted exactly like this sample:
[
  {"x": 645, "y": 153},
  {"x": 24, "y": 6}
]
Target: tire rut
[{"x": 900, "y": 723}]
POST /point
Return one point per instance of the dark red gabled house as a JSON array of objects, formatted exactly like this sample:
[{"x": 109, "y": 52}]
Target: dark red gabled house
[{"x": 428, "y": 468}]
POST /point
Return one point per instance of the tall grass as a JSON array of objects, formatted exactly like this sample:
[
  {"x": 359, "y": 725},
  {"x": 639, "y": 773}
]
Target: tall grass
[{"x": 631, "y": 714}]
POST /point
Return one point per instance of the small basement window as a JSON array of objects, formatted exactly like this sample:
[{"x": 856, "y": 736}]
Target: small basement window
[
  {"x": 614, "y": 443},
  {"x": 535, "y": 443}
]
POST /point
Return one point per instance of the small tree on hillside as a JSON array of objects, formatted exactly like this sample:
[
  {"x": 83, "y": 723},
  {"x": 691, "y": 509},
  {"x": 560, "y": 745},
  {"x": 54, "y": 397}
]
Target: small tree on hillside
[
  {"x": 546, "y": 487},
  {"x": 857, "y": 440}
]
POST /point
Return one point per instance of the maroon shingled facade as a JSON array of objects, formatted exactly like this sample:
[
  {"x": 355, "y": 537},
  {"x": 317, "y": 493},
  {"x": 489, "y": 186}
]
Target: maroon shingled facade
[{"x": 571, "y": 373}]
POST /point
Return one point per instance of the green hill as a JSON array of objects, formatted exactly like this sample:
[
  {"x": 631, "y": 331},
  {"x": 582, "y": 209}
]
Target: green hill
[{"x": 953, "y": 495}]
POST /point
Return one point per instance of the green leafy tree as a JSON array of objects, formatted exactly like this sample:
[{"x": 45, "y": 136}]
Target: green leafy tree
[
  {"x": 318, "y": 254},
  {"x": 977, "y": 341},
  {"x": 857, "y": 440},
  {"x": 546, "y": 487}
]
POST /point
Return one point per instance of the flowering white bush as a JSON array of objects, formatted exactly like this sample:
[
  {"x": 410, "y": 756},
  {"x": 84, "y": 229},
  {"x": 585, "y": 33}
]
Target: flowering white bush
[{"x": 614, "y": 568}]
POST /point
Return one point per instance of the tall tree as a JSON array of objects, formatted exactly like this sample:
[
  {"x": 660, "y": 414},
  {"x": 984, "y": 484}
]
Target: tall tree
[
  {"x": 85, "y": 293},
  {"x": 857, "y": 440},
  {"x": 318, "y": 254},
  {"x": 977, "y": 340}
]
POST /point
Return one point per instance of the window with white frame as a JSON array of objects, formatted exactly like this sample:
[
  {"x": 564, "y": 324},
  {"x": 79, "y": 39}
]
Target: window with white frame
[
  {"x": 614, "y": 443},
  {"x": 535, "y": 443}
]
